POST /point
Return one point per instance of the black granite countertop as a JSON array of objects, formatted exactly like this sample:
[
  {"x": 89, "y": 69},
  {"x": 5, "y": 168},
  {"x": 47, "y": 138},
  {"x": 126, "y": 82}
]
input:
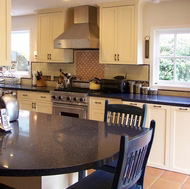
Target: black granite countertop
[
  {"x": 27, "y": 88},
  {"x": 42, "y": 144},
  {"x": 153, "y": 99}
]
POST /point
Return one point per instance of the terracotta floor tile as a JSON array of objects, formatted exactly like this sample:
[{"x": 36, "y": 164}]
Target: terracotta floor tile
[
  {"x": 173, "y": 176},
  {"x": 148, "y": 181},
  {"x": 91, "y": 171},
  {"x": 153, "y": 171},
  {"x": 166, "y": 184},
  {"x": 185, "y": 186},
  {"x": 188, "y": 181}
]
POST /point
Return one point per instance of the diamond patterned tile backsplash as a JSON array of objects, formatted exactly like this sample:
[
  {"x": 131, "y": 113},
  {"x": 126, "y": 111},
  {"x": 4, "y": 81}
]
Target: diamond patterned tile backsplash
[{"x": 87, "y": 65}]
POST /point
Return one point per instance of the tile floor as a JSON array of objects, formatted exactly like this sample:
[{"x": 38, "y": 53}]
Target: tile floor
[{"x": 162, "y": 179}]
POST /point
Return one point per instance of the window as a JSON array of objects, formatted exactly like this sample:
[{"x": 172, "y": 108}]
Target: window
[
  {"x": 20, "y": 53},
  {"x": 171, "y": 62}
]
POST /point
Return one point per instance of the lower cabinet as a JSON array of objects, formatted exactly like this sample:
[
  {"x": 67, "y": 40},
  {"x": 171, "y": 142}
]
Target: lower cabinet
[
  {"x": 96, "y": 107},
  {"x": 159, "y": 155},
  {"x": 180, "y": 140},
  {"x": 35, "y": 101}
]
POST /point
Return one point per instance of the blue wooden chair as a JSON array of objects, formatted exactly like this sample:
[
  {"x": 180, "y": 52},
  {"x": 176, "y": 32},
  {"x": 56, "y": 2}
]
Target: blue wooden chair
[
  {"x": 122, "y": 114},
  {"x": 131, "y": 166}
]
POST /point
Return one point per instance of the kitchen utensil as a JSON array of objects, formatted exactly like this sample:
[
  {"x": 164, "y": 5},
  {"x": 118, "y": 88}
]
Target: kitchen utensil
[
  {"x": 10, "y": 102},
  {"x": 145, "y": 90}
]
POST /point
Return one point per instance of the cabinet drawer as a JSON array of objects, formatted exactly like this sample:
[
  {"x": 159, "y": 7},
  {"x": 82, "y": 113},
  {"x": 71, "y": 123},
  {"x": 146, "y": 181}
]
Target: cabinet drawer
[
  {"x": 25, "y": 95},
  {"x": 98, "y": 103},
  {"x": 43, "y": 97}
]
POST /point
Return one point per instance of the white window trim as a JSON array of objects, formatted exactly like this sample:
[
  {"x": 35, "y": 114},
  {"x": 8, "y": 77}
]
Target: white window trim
[
  {"x": 29, "y": 71},
  {"x": 153, "y": 57}
]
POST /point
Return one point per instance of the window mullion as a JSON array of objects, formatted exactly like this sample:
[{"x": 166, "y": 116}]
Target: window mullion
[{"x": 174, "y": 57}]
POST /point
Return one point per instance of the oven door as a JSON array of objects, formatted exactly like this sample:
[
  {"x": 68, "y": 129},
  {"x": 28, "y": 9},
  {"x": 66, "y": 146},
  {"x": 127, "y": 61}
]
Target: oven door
[{"x": 70, "y": 110}]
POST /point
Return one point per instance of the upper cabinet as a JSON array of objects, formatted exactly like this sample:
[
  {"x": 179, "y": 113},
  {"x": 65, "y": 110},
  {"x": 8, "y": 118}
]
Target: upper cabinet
[
  {"x": 50, "y": 26},
  {"x": 121, "y": 33},
  {"x": 5, "y": 32}
]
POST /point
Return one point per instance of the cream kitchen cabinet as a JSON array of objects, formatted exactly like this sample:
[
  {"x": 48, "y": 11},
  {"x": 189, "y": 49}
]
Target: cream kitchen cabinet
[
  {"x": 180, "y": 140},
  {"x": 159, "y": 155},
  {"x": 50, "y": 26},
  {"x": 120, "y": 34},
  {"x": 5, "y": 32},
  {"x": 97, "y": 107},
  {"x": 35, "y": 101}
]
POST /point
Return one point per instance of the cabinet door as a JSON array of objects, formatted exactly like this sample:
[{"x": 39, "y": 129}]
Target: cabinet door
[
  {"x": 43, "y": 37},
  {"x": 5, "y": 32},
  {"x": 126, "y": 34},
  {"x": 108, "y": 32},
  {"x": 56, "y": 28},
  {"x": 180, "y": 140},
  {"x": 26, "y": 105},
  {"x": 159, "y": 154},
  {"x": 44, "y": 107}
]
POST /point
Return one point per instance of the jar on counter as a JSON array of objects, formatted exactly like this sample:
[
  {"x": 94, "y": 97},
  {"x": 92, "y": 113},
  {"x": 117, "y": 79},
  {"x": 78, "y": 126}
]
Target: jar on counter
[
  {"x": 131, "y": 86},
  {"x": 145, "y": 90},
  {"x": 153, "y": 91},
  {"x": 138, "y": 88}
]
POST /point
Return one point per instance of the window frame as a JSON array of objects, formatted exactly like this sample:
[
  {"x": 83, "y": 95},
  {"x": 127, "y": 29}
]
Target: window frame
[
  {"x": 19, "y": 73},
  {"x": 155, "y": 54}
]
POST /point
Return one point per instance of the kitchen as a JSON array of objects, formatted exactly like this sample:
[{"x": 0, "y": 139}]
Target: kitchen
[{"x": 166, "y": 14}]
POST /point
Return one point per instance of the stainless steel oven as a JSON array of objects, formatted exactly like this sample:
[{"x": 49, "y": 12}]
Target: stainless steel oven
[{"x": 73, "y": 104}]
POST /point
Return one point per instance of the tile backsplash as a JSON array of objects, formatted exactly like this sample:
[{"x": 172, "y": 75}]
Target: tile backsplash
[{"x": 86, "y": 65}]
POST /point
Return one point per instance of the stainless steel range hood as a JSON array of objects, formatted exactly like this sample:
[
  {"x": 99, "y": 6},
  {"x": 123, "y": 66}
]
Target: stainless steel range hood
[{"x": 84, "y": 33}]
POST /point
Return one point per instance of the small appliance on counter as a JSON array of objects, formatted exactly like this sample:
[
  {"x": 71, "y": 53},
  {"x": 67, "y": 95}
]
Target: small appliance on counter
[
  {"x": 10, "y": 102},
  {"x": 95, "y": 84},
  {"x": 118, "y": 84},
  {"x": 4, "y": 120}
]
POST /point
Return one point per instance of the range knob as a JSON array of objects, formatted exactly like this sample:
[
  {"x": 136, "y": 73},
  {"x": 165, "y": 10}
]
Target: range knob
[
  {"x": 60, "y": 97},
  {"x": 82, "y": 99},
  {"x": 53, "y": 97},
  {"x": 68, "y": 98},
  {"x": 75, "y": 98}
]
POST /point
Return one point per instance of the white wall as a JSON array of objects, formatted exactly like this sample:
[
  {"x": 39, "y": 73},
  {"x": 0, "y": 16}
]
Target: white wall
[
  {"x": 28, "y": 22},
  {"x": 171, "y": 13}
]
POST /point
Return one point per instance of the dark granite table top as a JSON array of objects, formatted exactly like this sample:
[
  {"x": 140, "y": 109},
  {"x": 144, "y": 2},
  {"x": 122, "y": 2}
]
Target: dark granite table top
[
  {"x": 42, "y": 144},
  {"x": 27, "y": 88}
]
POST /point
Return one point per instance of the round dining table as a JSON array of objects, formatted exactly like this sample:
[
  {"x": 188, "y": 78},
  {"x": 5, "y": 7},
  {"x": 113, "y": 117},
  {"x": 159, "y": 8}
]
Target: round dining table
[{"x": 42, "y": 144}]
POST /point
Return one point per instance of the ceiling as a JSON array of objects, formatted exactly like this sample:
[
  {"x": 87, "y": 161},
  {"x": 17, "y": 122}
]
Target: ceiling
[{"x": 25, "y": 7}]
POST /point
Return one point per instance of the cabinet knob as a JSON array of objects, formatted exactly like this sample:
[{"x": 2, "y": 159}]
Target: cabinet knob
[
  {"x": 97, "y": 102},
  {"x": 155, "y": 106},
  {"x": 184, "y": 109}
]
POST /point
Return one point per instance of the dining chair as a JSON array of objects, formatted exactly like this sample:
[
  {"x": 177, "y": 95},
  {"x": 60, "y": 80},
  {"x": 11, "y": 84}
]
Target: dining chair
[
  {"x": 131, "y": 166},
  {"x": 125, "y": 115}
]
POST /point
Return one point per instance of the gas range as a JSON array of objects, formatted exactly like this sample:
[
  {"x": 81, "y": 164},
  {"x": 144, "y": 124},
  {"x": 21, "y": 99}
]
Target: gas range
[{"x": 75, "y": 96}]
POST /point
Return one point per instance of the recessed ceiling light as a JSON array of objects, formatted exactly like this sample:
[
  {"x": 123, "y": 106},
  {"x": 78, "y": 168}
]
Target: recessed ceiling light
[
  {"x": 66, "y": 0},
  {"x": 12, "y": 13},
  {"x": 156, "y": 1}
]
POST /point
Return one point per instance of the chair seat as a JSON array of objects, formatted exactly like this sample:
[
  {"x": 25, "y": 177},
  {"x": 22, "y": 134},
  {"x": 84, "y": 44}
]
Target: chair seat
[
  {"x": 3, "y": 186},
  {"x": 97, "y": 180}
]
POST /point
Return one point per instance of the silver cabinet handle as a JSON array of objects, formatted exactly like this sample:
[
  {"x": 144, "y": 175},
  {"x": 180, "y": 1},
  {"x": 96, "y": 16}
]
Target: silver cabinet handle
[
  {"x": 155, "y": 106},
  {"x": 117, "y": 57},
  {"x": 42, "y": 96},
  {"x": 50, "y": 56},
  {"x": 184, "y": 109},
  {"x": 24, "y": 95}
]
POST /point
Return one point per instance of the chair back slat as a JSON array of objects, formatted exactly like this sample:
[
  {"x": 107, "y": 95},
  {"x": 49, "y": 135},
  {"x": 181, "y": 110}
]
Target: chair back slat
[
  {"x": 122, "y": 114},
  {"x": 132, "y": 159}
]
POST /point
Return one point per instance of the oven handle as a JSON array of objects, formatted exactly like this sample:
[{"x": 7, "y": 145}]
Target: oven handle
[{"x": 71, "y": 107}]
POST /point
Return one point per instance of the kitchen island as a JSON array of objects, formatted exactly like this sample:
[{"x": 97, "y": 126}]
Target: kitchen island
[{"x": 42, "y": 144}]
